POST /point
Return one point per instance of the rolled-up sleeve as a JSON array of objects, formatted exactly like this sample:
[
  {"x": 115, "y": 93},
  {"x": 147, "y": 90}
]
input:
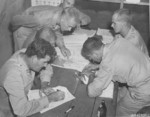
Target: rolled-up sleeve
[
  {"x": 28, "y": 21},
  {"x": 102, "y": 80},
  {"x": 84, "y": 19},
  {"x": 14, "y": 86}
]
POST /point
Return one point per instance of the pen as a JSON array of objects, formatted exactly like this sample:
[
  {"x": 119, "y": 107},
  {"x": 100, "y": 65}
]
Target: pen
[{"x": 67, "y": 111}]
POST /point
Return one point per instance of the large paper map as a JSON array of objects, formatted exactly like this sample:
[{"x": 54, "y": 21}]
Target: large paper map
[{"x": 74, "y": 44}]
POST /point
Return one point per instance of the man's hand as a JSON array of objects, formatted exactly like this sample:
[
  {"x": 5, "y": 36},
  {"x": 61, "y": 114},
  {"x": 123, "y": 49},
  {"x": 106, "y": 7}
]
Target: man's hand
[
  {"x": 58, "y": 61},
  {"x": 46, "y": 74},
  {"x": 56, "y": 96},
  {"x": 44, "y": 85},
  {"x": 65, "y": 52},
  {"x": 90, "y": 69},
  {"x": 48, "y": 90},
  {"x": 60, "y": 43}
]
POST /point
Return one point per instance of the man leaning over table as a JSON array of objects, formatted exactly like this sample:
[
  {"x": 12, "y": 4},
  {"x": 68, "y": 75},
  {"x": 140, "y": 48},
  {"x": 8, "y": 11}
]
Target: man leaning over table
[
  {"x": 17, "y": 76},
  {"x": 57, "y": 18},
  {"x": 121, "y": 23},
  {"x": 123, "y": 62},
  {"x": 67, "y": 3},
  {"x": 84, "y": 19},
  {"x": 47, "y": 34}
]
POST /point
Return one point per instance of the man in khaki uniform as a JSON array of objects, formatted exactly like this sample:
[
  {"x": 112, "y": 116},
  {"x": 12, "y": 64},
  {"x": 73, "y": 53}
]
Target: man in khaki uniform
[
  {"x": 17, "y": 76},
  {"x": 57, "y": 18},
  {"x": 123, "y": 62},
  {"x": 121, "y": 23}
]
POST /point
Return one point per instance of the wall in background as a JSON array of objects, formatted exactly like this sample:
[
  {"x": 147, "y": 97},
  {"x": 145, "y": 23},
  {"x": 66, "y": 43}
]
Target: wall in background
[{"x": 7, "y": 9}]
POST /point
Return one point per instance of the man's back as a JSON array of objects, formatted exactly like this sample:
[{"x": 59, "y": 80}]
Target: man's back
[
  {"x": 136, "y": 39},
  {"x": 5, "y": 106},
  {"x": 128, "y": 62}
]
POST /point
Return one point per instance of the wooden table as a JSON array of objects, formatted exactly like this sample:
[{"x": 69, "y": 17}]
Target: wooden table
[{"x": 84, "y": 105}]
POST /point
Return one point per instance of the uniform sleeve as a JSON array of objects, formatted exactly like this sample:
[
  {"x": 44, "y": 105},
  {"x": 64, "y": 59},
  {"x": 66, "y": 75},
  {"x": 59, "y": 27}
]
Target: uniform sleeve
[
  {"x": 59, "y": 41},
  {"x": 102, "y": 80},
  {"x": 84, "y": 19},
  {"x": 29, "y": 40},
  {"x": 28, "y": 21},
  {"x": 21, "y": 105}
]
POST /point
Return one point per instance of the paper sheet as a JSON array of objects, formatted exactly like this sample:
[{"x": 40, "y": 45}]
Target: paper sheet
[
  {"x": 74, "y": 44},
  {"x": 34, "y": 94},
  {"x": 89, "y": 33},
  {"x": 108, "y": 92},
  {"x": 106, "y": 34}
]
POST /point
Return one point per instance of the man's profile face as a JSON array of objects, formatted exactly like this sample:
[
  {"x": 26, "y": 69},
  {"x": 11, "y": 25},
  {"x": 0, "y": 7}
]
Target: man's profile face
[
  {"x": 67, "y": 24},
  {"x": 117, "y": 24},
  {"x": 68, "y": 3},
  {"x": 39, "y": 63},
  {"x": 95, "y": 56}
]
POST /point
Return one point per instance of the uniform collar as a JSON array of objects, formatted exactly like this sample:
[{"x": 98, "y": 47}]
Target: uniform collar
[{"x": 130, "y": 31}]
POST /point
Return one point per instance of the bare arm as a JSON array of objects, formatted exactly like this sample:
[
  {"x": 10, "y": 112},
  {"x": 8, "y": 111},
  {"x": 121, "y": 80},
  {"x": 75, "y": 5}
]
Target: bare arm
[
  {"x": 84, "y": 19},
  {"x": 60, "y": 43}
]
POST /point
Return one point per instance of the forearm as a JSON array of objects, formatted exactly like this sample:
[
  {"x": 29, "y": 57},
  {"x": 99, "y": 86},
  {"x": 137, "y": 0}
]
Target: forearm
[
  {"x": 30, "y": 107},
  {"x": 94, "y": 89},
  {"x": 25, "y": 21},
  {"x": 85, "y": 20},
  {"x": 44, "y": 84},
  {"x": 59, "y": 41},
  {"x": 45, "y": 75}
]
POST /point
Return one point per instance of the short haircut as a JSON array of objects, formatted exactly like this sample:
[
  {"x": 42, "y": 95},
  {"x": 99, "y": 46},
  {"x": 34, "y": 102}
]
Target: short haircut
[
  {"x": 91, "y": 44},
  {"x": 124, "y": 15},
  {"x": 40, "y": 48}
]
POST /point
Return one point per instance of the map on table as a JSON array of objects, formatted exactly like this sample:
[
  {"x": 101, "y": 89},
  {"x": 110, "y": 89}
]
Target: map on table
[{"x": 74, "y": 43}]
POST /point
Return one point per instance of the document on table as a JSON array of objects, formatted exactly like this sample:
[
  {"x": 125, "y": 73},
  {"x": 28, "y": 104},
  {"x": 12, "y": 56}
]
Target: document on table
[
  {"x": 106, "y": 34},
  {"x": 89, "y": 33},
  {"x": 109, "y": 91},
  {"x": 74, "y": 44},
  {"x": 34, "y": 94}
]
